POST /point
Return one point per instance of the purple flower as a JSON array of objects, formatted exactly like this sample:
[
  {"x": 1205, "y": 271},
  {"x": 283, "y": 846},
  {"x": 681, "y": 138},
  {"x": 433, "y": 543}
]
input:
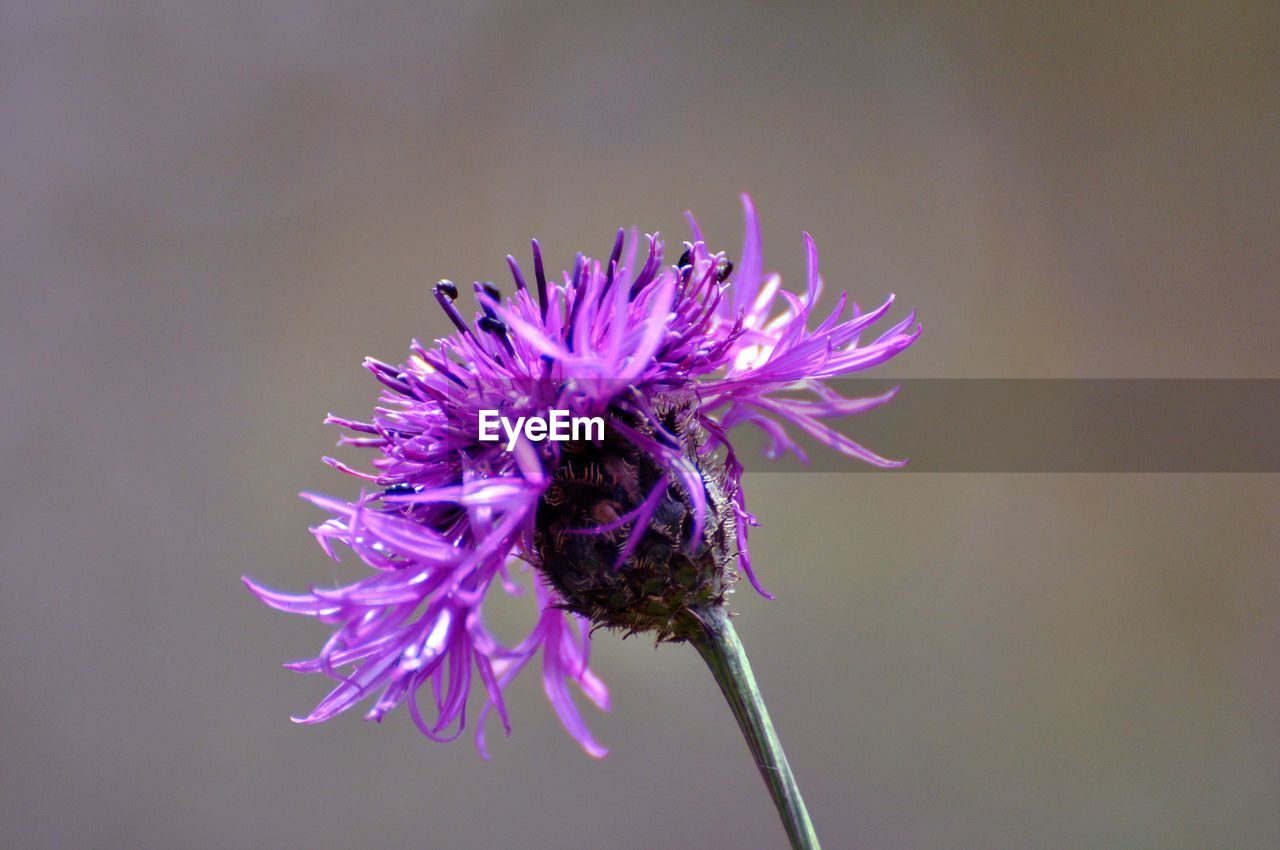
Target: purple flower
[{"x": 634, "y": 531}]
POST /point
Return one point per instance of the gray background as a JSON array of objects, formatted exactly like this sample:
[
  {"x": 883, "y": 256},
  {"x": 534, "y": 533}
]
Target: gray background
[{"x": 211, "y": 213}]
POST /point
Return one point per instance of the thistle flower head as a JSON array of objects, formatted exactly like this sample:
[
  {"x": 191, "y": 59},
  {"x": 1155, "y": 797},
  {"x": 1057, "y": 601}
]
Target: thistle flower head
[{"x": 641, "y": 528}]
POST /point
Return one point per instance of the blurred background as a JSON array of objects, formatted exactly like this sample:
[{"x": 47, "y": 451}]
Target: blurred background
[{"x": 210, "y": 213}]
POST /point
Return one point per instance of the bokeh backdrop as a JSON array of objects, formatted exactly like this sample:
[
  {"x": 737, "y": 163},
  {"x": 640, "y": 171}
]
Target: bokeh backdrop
[{"x": 210, "y": 212}]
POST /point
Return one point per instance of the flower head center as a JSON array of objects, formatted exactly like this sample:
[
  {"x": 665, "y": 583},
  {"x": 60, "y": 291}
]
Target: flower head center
[{"x": 615, "y": 533}]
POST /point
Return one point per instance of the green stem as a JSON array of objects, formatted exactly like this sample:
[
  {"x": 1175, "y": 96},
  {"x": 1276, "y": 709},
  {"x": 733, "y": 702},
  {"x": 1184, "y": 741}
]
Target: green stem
[{"x": 720, "y": 648}]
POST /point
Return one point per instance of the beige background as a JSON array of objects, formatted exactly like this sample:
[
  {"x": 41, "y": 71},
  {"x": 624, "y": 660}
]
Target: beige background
[{"x": 211, "y": 213}]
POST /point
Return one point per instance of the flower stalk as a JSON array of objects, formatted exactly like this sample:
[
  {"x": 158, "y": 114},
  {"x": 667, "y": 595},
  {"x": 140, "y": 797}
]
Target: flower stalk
[{"x": 725, "y": 656}]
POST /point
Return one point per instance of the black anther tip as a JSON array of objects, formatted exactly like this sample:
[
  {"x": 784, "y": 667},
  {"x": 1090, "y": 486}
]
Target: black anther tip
[
  {"x": 400, "y": 489},
  {"x": 492, "y": 325},
  {"x": 724, "y": 268}
]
